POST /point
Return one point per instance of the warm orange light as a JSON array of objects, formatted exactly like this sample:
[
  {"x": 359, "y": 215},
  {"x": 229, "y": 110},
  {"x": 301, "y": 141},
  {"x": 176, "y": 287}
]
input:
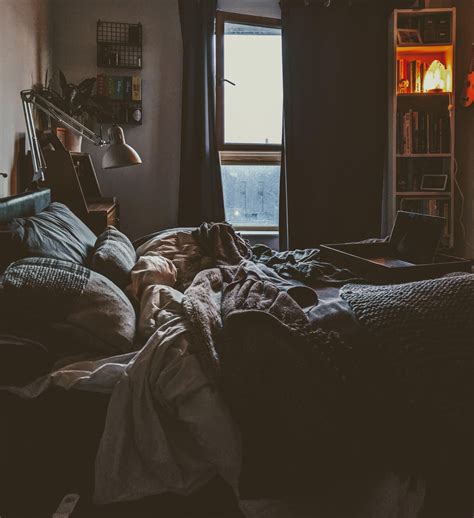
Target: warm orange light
[{"x": 437, "y": 78}]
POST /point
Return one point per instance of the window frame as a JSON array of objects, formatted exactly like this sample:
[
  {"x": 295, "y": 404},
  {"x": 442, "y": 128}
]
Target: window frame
[
  {"x": 221, "y": 18},
  {"x": 241, "y": 153}
]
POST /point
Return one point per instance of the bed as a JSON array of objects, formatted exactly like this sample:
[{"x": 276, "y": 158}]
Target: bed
[{"x": 240, "y": 360}]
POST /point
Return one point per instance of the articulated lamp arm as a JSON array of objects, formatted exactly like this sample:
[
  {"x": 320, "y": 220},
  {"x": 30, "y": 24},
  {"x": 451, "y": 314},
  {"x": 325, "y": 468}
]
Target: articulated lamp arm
[{"x": 30, "y": 98}]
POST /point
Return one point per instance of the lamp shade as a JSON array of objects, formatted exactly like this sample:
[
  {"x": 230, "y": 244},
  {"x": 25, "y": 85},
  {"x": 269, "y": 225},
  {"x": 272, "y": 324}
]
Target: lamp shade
[{"x": 119, "y": 153}]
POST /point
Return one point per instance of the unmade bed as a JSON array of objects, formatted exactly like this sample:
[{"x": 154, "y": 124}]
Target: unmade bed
[{"x": 195, "y": 365}]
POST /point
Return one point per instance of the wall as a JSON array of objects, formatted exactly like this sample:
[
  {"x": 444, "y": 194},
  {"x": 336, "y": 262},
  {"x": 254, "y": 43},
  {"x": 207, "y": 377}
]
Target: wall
[
  {"x": 464, "y": 124},
  {"x": 148, "y": 194},
  {"x": 25, "y": 54}
]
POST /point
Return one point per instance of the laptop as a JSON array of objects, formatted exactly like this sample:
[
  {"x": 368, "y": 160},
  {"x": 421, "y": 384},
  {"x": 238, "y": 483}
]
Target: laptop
[{"x": 415, "y": 238}]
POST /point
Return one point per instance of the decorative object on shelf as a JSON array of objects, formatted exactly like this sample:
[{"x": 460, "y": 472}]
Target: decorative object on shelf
[
  {"x": 117, "y": 155},
  {"x": 408, "y": 36},
  {"x": 434, "y": 182},
  {"x": 119, "y": 45},
  {"x": 437, "y": 78}
]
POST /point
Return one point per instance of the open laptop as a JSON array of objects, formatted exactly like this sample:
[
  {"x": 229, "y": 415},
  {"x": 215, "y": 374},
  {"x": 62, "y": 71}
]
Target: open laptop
[
  {"x": 416, "y": 237},
  {"x": 414, "y": 240}
]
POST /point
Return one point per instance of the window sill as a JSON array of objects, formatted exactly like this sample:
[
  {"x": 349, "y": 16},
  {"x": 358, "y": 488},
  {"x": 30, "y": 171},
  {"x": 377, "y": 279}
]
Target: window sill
[
  {"x": 270, "y": 238},
  {"x": 255, "y": 233}
]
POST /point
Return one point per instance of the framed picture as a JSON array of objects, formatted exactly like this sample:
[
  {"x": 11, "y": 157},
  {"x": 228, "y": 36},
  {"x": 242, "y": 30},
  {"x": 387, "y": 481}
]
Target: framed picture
[
  {"x": 408, "y": 36},
  {"x": 434, "y": 182}
]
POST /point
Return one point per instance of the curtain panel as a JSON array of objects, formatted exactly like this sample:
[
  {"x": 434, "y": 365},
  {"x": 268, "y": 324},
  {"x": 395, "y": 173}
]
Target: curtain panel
[
  {"x": 335, "y": 124},
  {"x": 200, "y": 190}
]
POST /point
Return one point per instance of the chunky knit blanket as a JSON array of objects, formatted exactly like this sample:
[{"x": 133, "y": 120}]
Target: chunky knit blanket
[{"x": 425, "y": 333}]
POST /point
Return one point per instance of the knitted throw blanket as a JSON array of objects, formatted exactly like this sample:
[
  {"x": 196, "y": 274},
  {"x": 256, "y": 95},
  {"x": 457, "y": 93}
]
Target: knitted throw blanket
[{"x": 425, "y": 331}]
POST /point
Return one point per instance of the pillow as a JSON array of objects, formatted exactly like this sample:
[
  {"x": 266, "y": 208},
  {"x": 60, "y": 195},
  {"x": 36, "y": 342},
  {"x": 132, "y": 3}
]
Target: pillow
[
  {"x": 79, "y": 310},
  {"x": 22, "y": 360},
  {"x": 114, "y": 256},
  {"x": 54, "y": 233}
]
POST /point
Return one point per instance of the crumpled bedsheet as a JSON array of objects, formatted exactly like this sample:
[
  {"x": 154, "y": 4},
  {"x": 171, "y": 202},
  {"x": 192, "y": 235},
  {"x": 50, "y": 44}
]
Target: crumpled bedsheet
[{"x": 167, "y": 428}]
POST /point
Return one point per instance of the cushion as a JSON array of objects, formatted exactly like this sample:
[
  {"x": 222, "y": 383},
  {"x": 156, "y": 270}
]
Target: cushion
[
  {"x": 22, "y": 360},
  {"x": 78, "y": 310},
  {"x": 114, "y": 256},
  {"x": 54, "y": 233}
]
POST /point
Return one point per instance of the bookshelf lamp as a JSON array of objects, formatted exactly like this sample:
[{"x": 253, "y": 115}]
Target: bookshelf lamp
[
  {"x": 437, "y": 78},
  {"x": 119, "y": 153}
]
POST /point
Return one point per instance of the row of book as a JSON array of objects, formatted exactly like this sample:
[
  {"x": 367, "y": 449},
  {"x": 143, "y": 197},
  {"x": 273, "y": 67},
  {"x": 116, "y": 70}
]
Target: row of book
[
  {"x": 420, "y": 132},
  {"x": 431, "y": 206},
  {"x": 119, "y": 88},
  {"x": 410, "y": 75}
]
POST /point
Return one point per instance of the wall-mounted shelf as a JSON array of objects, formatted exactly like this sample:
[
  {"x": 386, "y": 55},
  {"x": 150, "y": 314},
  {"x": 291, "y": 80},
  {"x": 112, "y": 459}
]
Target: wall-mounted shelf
[{"x": 119, "y": 45}]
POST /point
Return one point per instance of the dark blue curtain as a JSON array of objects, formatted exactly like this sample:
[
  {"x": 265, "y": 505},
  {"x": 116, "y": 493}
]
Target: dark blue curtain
[
  {"x": 200, "y": 190},
  {"x": 335, "y": 100}
]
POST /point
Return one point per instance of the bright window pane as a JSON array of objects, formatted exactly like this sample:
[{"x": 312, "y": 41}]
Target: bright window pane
[
  {"x": 253, "y": 107},
  {"x": 251, "y": 194}
]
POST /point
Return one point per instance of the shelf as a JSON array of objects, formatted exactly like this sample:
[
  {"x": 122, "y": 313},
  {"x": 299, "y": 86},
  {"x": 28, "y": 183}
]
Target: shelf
[
  {"x": 428, "y": 155},
  {"x": 426, "y": 94},
  {"x": 424, "y": 48},
  {"x": 431, "y": 194}
]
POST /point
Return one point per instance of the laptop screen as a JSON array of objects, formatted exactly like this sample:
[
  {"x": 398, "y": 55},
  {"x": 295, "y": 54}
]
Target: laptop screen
[{"x": 416, "y": 237}]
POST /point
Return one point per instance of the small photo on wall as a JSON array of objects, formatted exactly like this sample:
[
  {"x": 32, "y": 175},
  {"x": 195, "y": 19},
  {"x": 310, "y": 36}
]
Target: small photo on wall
[{"x": 408, "y": 36}]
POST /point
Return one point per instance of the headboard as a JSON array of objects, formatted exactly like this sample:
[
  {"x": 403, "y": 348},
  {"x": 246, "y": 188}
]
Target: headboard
[{"x": 24, "y": 205}]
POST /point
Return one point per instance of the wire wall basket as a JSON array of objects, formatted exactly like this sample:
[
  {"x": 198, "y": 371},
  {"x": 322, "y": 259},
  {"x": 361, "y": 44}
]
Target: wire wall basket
[{"x": 119, "y": 45}]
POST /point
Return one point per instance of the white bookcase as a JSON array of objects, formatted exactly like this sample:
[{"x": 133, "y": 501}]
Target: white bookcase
[{"x": 422, "y": 115}]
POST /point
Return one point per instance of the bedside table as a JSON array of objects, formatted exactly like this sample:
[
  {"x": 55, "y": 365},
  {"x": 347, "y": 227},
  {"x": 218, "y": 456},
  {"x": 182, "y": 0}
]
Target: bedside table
[
  {"x": 101, "y": 213},
  {"x": 73, "y": 181}
]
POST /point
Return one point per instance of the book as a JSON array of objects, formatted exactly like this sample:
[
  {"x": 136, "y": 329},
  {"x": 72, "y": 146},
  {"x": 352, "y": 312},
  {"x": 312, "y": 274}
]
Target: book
[
  {"x": 101, "y": 83},
  {"x": 127, "y": 88},
  {"x": 418, "y": 76},
  {"x": 136, "y": 88},
  {"x": 117, "y": 88}
]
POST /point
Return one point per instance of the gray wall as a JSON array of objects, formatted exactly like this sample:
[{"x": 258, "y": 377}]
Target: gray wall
[
  {"x": 148, "y": 194},
  {"x": 25, "y": 54},
  {"x": 464, "y": 125}
]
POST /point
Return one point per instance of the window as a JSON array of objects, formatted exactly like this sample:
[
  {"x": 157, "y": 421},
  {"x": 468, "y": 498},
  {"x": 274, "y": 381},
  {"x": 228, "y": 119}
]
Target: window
[{"x": 249, "y": 118}]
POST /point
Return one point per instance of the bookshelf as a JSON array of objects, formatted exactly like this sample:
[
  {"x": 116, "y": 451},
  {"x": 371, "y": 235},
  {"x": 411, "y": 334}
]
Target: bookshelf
[{"x": 422, "y": 114}]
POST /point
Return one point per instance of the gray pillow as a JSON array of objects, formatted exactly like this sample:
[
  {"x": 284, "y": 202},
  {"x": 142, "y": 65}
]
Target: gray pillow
[
  {"x": 114, "y": 256},
  {"x": 83, "y": 310},
  {"x": 55, "y": 232}
]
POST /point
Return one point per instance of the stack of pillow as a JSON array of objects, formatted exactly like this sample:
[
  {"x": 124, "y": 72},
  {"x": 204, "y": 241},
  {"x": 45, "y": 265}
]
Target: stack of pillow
[{"x": 61, "y": 293}]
